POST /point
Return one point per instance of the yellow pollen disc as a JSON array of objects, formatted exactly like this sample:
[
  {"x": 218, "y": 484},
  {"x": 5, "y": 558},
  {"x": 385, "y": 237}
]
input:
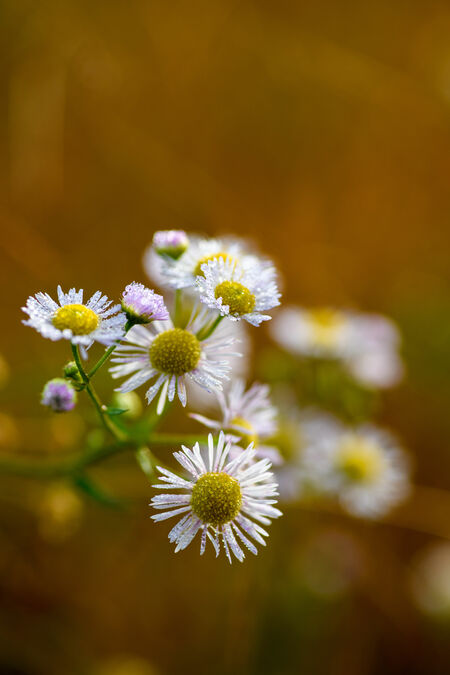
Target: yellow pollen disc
[
  {"x": 225, "y": 256},
  {"x": 175, "y": 352},
  {"x": 239, "y": 299},
  {"x": 78, "y": 318},
  {"x": 216, "y": 498},
  {"x": 326, "y": 324},
  {"x": 360, "y": 460},
  {"x": 250, "y": 437}
]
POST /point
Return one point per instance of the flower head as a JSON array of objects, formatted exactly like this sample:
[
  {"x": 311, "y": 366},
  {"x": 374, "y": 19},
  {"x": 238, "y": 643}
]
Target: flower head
[
  {"x": 71, "y": 319},
  {"x": 238, "y": 292},
  {"x": 223, "y": 499},
  {"x": 59, "y": 395},
  {"x": 248, "y": 416},
  {"x": 182, "y": 273},
  {"x": 366, "y": 345},
  {"x": 171, "y": 243},
  {"x": 171, "y": 355},
  {"x": 364, "y": 467},
  {"x": 142, "y": 305}
]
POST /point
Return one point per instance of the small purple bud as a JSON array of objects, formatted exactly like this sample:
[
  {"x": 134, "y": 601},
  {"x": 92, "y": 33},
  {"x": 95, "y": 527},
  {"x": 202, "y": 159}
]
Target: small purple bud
[
  {"x": 142, "y": 305},
  {"x": 59, "y": 395},
  {"x": 172, "y": 243}
]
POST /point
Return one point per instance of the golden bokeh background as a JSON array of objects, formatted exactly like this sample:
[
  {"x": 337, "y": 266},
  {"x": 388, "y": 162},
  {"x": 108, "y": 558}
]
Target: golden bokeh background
[{"x": 322, "y": 131}]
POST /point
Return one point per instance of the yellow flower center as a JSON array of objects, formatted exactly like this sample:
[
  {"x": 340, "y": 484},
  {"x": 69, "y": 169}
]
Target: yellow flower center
[
  {"x": 225, "y": 256},
  {"x": 216, "y": 498},
  {"x": 360, "y": 460},
  {"x": 250, "y": 437},
  {"x": 238, "y": 298},
  {"x": 175, "y": 352},
  {"x": 78, "y": 318},
  {"x": 326, "y": 324}
]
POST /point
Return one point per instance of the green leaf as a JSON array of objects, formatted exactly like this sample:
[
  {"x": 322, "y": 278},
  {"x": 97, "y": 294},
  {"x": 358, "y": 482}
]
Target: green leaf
[{"x": 113, "y": 412}]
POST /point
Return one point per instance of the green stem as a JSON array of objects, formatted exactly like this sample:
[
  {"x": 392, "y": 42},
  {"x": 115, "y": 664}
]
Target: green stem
[
  {"x": 117, "y": 433},
  {"x": 72, "y": 463},
  {"x": 61, "y": 466},
  {"x": 108, "y": 352},
  {"x": 205, "y": 333},
  {"x": 177, "y": 307}
]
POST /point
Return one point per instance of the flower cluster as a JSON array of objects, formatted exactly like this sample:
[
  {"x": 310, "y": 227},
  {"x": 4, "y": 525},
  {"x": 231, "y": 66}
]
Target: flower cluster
[{"x": 190, "y": 340}]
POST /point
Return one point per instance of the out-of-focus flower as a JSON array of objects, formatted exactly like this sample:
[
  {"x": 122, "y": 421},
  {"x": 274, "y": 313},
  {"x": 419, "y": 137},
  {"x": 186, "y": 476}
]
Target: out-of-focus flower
[
  {"x": 171, "y": 355},
  {"x": 364, "y": 467},
  {"x": 430, "y": 581},
  {"x": 130, "y": 402},
  {"x": 317, "y": 332},
  {"x": 366, "y": 344},
  {"x": 237, "y": 292},
  {"x": 248, "y": 415},
  {"x": 142, "y": 305},
  {"x": 297, "y": 431},
  {"x": 72, "y": 320},
  {"x": 59, "y": 395},
  {"x": 223, "y": 500},
  {"x": 60, "y": 513},
  {"x": 183, "y": 272},
  {"x": 171, "y": 243}
]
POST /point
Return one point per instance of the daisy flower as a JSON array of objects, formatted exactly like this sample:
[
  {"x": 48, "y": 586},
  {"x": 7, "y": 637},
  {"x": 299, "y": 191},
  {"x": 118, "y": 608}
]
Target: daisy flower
[
  {"x": 322, "y": 332},
  {"x": 248, "y": 415},
  {"x": 364, "y": 467},
  {"x": 223, "y": 499},
  {"x": 172, "y": 355},
  {"x": 71, "y": 319},
  {"x": 183, "y": 272},
  {"x": 366, "y": 344},
  {"x": 142, "y": 305},
  {"x": 238, "y": 292}
]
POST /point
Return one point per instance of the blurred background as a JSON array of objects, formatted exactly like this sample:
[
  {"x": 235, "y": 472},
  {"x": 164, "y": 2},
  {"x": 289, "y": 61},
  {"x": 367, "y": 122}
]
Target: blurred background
[{"x": 320, "y": 130}]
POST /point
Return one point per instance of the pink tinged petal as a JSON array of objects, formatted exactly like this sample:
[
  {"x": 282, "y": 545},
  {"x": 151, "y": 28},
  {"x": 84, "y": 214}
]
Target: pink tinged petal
[
  {"x": 179, "y": 527},
  {"x": 186, "y": 463},
  {"x": 231, "y": 539},
  {"x": 210, "y": 452},
  {"x": 252, "y": 529},
  {"x": 211, "y": 424},
  {"x": 198, "y": 456},
  {"x": 171, "y": 388},
  {"x": 162, "y": 398},
  {"x": 182, "y": 391},
  {"x": 170, "y": 477},
  {"x": 137, "y": 380},
  {"x": 214, "y": 541},
  {"x": 196, "y": 460},
  {"x": 203, "y": 540},
  {"x": 187, "y": 536},
  {"x": 251, "y": 547},
  {"x": 226, "y": 548},
  {"x": 168, "y": 500},
  {"x": 151, "y": 393},
  {"x": 169, "y": 514}
]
